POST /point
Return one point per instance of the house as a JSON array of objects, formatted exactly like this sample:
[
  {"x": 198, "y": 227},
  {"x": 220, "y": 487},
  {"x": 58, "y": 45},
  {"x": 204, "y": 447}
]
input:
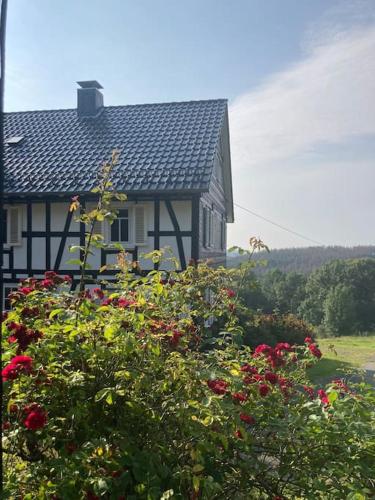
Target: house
[{"x": 174, "y": 166}]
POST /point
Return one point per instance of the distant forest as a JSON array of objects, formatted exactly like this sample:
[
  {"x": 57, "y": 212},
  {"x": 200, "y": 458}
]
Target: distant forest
[{"x": 303, "y": 260}]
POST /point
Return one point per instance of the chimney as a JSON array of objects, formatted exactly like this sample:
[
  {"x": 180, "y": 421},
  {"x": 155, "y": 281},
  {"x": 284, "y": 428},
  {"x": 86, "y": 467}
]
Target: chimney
[{"x": 89, "y": 99}]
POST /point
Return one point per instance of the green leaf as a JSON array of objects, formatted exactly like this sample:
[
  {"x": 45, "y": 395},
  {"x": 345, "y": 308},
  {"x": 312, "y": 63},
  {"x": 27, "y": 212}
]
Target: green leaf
[
  {"x": 109, "y": 399},
  {"x": 102, "y": 394},
  {"x": 167, "y": 494},
  {"x": 196, "y": 482},
  {"x": 198, "y": 468},
  {"x": 74, "y": 248},
  {"x": 332, "y": 396},
  {"x": 55, "y": 312},
  {"x": 109, "y": 332}
]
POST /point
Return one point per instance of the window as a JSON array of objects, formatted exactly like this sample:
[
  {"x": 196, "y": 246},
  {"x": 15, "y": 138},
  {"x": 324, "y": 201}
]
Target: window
[
  {"x": 11, "y": 226},
  {"x": 222, "y": 233},
  {"x": 130, "y": 226},
  {"x": 120, "y": 228},
  {"x": 207, "y": 227}
]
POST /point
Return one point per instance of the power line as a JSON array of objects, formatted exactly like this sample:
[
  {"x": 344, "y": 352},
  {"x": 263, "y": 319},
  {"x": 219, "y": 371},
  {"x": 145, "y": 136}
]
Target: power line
[{"x": 279, "y": 225}]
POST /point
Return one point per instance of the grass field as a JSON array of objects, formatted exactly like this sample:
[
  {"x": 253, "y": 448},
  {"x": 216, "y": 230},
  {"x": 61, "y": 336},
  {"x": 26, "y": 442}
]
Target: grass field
[{"x": 341, "y": 354}]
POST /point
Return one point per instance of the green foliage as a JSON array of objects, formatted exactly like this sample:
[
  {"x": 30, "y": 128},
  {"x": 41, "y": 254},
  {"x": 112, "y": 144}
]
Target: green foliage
[
  {"x": 122, "y": 399},
  {"x": 339, "y": 310},
  {"x": 274, "y": 328},
  {"x": 338, "y": 298},
  {"x": 341, "y": 296}
]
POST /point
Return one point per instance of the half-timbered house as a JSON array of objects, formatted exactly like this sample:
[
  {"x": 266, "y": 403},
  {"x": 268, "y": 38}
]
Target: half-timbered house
[{"x": 174, "y": 167}]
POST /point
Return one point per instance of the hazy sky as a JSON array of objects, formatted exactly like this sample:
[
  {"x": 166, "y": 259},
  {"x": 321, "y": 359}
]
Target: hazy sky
[{"x": 299, "y": 76}]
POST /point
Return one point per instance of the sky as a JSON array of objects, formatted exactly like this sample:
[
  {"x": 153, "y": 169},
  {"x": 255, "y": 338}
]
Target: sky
[{"x": 299, "y": 76}]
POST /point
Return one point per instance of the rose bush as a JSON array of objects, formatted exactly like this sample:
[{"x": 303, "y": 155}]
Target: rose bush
[{"x": 128, "y": 394}]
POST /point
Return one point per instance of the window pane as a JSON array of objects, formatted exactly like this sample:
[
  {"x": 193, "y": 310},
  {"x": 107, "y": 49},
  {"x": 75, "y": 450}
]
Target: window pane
[
  {"x": 123, "y": 213},
  {"x": 124, "y": 225},
  {"x": 115, "y": 231}
]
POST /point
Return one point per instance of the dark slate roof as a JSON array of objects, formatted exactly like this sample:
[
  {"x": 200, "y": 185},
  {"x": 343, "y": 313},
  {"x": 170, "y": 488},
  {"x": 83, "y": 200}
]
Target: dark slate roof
[{"x": 162, "y": 147}]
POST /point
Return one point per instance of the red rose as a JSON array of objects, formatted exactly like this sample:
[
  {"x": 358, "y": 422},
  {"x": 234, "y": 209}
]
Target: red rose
[
  {"x": 283, "y": 346},
  {"x": 248, "y": 419},
  {"x": 262, "y": 349},
  {"x": 175, "y": 339},
  {"x": 218, "y": 386},
  {"x": 271, "y": 377},
  {"x": 315, "y": 351},
  {"x": 340, "y": 385},
  {"x": 230, "y": 293},
  {"x": 50, "y": 275},
  {"x": 23, "y": 363},
  {"x": 25, "y": 290},
  {"x": 123, "y": 302},
  {"x": 239, "y": 396},
  {"x": 36, "y": 419},
  {"x": 248, "y": 368},
  {"x": 252, "y": 379},
  {"x": 10, "y": 372},
  {"x": 309, "y": 391},
  {"x": 47, "y": 283},
  {"x": 99, "y": 293},
  {"x": 323, "y": 396},
  {"x": 263, "y": 390},
  {"x": 238, "y": 434},
  {"x": 308, "y": 340}
]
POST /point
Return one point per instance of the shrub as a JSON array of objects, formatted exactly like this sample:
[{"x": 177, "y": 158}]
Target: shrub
[
  {"x": 274, "y": 328},
  {"x": 113, "y": 397}
]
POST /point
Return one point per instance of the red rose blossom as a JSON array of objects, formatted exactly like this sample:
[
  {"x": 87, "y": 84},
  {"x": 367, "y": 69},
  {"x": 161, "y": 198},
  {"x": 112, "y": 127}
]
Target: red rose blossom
[
  {"x": 10, "y": 372},
  {"x": 248, "y": 419},
  {"x": 323, "y": 397},
  {"x": 263, "y": 390},
  {"x": 315, "y": 351},
  {"x": 99, "y": 293},
  {"x": 271, "y": 377},
  {"x": 248, "y": 368},
  {"x": 240, "y": 397},
  {"x": 47, "y": 283},
  {"x": 238, "y": 434},
  {"x": 36, "y": 419},
  {"x": 230, "y": 293},
  {"x": 218, "y": 386},
  {"x": 308, "y": 340},
  {"x": 309, "y": 391}
]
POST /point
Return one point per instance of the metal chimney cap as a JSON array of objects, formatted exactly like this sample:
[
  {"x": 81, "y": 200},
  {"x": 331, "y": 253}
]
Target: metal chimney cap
[{"x": 90, "y": 84}]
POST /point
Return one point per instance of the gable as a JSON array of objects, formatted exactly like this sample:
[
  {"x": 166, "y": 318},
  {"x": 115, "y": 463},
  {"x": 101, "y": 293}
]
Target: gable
[{"x": 222, "y": 171}]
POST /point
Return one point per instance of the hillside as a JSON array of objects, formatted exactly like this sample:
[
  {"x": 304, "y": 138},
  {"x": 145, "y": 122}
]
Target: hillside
[{"x": 304, "y": 260}]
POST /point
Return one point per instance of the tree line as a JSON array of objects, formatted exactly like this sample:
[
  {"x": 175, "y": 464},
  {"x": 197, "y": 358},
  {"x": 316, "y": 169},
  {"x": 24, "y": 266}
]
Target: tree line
[
  {"x": 337, "y": 299},
  {"x": 303, "y": 260}
]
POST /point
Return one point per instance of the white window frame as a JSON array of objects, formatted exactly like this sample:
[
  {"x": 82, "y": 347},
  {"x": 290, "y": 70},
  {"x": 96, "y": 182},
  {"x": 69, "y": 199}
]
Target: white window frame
[
  {"x": 132, "y": 243},
  {"x": 17, "y": 243}
]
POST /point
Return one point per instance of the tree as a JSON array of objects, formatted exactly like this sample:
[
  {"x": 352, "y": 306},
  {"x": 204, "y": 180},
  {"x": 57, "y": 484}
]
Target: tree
[{"x": 340, "y": 310}]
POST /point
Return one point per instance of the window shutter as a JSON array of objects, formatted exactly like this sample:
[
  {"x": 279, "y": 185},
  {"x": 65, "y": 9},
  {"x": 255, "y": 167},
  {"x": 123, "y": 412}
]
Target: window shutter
[
  {"x": 14, "y": 219},
  {"x": 140, "y": 225}
]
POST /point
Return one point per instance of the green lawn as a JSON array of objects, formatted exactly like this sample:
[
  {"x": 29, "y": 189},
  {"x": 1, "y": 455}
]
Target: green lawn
[{"x": 340, "y": 354}]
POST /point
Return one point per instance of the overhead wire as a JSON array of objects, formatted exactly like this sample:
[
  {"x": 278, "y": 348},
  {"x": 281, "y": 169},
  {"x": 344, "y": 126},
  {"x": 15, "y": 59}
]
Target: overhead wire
[{"x": 311, "y": 240}]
